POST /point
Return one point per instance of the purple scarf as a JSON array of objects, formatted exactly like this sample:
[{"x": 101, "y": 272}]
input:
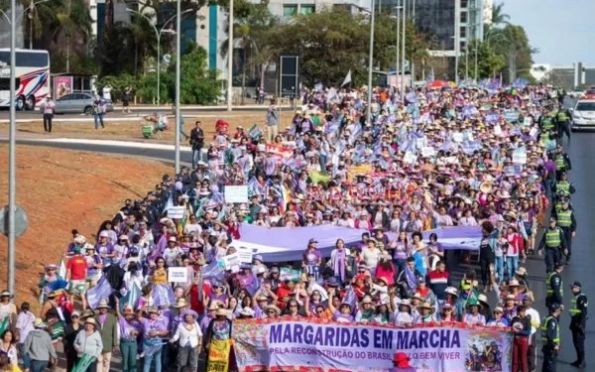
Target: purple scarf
[
  {"x": 410, "y": 277},
  {"x": 339, "y": 266}
]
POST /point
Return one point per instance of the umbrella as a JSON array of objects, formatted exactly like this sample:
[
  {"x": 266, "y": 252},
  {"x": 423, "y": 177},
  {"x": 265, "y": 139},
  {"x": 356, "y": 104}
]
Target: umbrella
[{"x": 438, "y": 84}]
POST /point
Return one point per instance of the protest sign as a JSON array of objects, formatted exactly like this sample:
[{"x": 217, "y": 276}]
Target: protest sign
[
  {"x": 236, "y": 194},
  {"x": 177, "y": 275},
  {"x": 175, "y": 212},
  {"x": 457, "y": 137},
  {"x": 519, "y": 156},
  {"x": 231, "y": 260},
  {"x": 218, "y": 355},
  {"x": 287, "y": 273},
  {"x": 294, "y": 344},
  {"x": 428, "y": 151},
  {"x": 244, "y": 255},
  {"x": 409, "y": 158}
]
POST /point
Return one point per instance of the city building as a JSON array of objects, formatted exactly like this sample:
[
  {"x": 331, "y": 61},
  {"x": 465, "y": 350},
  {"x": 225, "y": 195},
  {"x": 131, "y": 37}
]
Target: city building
[
  {"x": 575, "y": 76},
  {"x": 451, "y": 26}
]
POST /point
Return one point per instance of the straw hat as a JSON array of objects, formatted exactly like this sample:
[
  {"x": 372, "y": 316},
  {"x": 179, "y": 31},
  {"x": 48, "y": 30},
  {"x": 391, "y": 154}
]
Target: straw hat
[
  {"x": 103, "y": 305},
  {"x": 180, "y": 303},
  {"x": 91, "y": 321},
  {"x": 486, "y": 187},
  {"x": 221, "y": 312},
  {"x": 38, "y": 323}
]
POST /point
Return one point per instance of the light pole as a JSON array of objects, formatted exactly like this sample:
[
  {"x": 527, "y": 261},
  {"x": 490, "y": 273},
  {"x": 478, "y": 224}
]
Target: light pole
[
  {"x": 178, "y": 58},
  {"x": 12, "y": 153},
  {"x": 476, "y": 46},
  {"x": 370, "y": 67},
  {"x": 158, "y": 32},
  {"x": 411, "y": 64},
  {"x": 30, "y": 7},
  {"x": 403, "y": 35},
  {"x": 230, "y": 56},
  {"x": 397, "y": 44}
]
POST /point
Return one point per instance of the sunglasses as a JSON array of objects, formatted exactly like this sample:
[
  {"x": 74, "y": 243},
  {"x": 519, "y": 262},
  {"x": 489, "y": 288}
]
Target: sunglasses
[{"x": 74, "y": 317}]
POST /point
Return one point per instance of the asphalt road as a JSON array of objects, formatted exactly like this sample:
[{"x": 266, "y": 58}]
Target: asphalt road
[
  {"x": 582, "y": 153},
  {"x": 582, "y": 265},
  {"x": 141, "y": 111}
]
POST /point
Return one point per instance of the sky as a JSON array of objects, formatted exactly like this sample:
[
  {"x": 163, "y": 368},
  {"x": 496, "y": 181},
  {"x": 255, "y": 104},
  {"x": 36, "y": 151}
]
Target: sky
[{"x": 562, "y": 30}]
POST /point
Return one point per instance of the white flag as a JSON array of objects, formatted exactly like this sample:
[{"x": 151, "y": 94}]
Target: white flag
[{"x": 347, "y": 79}]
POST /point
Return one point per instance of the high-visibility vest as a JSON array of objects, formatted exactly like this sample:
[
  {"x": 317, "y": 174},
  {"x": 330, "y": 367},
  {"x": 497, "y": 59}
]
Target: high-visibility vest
[
  {"x": 573, "y": 309},
  {"x": 563, "y": 186},
  {"x": 561, "y": 116},
  {"x": 560, "y": 162},
  {"x": 548, "y": 284},
  {"x": 544, "y": 327},
  {"x": 548, "y": 123},
  {"x": 565, "y": 218},
  {"x": 552, "y": 238}
]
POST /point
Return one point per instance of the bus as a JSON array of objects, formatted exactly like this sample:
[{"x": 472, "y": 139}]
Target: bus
[{"x": 32, "y": 77}]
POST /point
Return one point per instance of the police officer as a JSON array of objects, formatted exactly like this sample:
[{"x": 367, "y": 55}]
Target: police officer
[
  {"x": 562, "y": 162},
  {"x": 578, "y": 323},
  {"x": 563, "y": 186},
  {"x": 550, "y": 336},
  {"x": 567, "y": 224},
  {"x": 554, "y": 243},
  {"x": 553, "y": 285},
  {"x": 563, "y": 121}
]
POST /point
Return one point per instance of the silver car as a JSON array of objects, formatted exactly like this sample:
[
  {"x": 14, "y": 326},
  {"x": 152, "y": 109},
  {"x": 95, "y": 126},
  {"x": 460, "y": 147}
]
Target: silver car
[{"x": 78, "y": 103}]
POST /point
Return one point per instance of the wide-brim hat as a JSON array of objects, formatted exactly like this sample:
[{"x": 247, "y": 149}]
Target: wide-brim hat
[
  {"x": 103, "y": 305},
  {"x": 273, "y": 307},
  {"x": 426, "y": 305},
  {"x": 91, "y": 320},
  {"x": 221, "y": 312},
  {"x": 181, "y": 302}
]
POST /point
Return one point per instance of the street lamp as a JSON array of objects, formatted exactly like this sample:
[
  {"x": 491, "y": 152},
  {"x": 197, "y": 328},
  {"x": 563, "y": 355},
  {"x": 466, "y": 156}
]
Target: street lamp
[
  {"x": 397, "y": 17},
  {"x": 370, "y": 67},
  {"x": 404, "y": 18},
  {"x": 230, "y": 57},
  {"x": 158, "y": 32},
  {"x": 27, "y": 9}
]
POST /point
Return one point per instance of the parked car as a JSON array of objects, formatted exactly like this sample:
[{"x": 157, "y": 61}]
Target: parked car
[{"x": 78, "y": 103}]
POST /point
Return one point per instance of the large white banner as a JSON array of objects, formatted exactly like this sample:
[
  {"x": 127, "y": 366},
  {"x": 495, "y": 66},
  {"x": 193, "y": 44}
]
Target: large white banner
[{"x": 292, "y": 345}]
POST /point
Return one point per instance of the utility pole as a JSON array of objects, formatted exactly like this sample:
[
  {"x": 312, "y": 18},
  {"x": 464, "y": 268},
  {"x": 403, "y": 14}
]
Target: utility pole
[{"x": 398, "y": 46}]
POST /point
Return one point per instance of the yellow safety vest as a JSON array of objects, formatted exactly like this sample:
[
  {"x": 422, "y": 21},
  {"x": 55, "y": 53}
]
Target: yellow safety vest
[
  {"x": 544, "y": 337},
  {"x": 548, "y": 123},
  {"x": 552, "y": 238},
  {"x": 548, "y": 286},
  {"x": 575, "y": 310},
  {"x": 560, "y": 163},
  {"x": 562, "y": 117},
  {"x": 565, "y": 218},
  {"x": 563, "y": 186}
]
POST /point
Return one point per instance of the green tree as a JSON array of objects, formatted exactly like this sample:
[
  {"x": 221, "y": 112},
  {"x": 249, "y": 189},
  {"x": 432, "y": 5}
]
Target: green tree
[
  {"x": 512, "y": 43},
  {"x": 252, "y": 26},
  {"x": 332, "y": 42},
  {"x": 329, "y": 44},
  {"x": 200, "y": 84},
  {"x": 489, "y": 62}
]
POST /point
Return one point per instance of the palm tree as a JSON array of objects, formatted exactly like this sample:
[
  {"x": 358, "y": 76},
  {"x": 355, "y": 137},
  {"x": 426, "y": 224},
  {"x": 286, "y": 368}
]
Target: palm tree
[{"x": 498, "y": 15}]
